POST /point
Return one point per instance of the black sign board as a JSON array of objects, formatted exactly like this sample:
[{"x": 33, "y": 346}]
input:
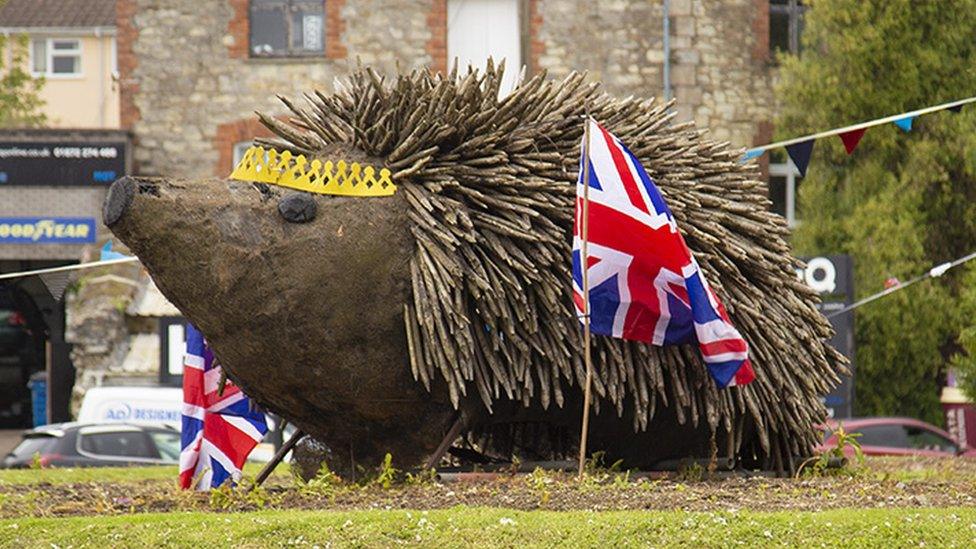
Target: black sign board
[
  {"x": 61, "y": 162},
  {"x": 833, "y": 278},
  {"x": 172, "y": 347}
]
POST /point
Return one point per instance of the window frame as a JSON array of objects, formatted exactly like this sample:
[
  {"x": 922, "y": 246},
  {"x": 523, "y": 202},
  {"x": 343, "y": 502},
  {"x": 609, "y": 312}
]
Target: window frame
[
  {"x": 788, "y": 171},
  {"x": 289, "y": 52},
  {"x": 794, "y": 10},
  {"x": 49, "y": 54}
]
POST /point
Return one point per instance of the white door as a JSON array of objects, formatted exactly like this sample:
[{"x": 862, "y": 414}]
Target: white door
[{"x": 478, "y": 29}]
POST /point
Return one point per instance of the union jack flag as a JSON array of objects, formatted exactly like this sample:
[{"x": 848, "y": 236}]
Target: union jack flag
[
  {"x": 644, "y": 282},
  {"x": 219, "y": 430}
]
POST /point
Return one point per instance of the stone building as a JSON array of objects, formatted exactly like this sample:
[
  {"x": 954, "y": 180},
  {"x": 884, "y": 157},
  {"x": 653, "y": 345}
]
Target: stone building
[{"x": 193, "y": 72}]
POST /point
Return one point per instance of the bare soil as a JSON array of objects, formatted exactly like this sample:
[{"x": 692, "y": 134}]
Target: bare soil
[{"x": 884, "y": 482}]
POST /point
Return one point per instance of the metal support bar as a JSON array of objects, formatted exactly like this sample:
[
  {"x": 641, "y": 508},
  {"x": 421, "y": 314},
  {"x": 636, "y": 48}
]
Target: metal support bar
[
  {"x": 279, "y": 455},
  {"x": 445, "y": 444}
]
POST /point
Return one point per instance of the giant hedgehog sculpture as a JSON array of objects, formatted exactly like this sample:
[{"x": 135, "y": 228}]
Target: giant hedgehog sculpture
[{"x": 376, "y": 324}]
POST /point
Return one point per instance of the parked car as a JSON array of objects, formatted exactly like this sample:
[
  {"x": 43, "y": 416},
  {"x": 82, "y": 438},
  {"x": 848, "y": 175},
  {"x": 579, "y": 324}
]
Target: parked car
[
  {"x": 895, "y": 436},
  {"x": 96, "y": 445}
]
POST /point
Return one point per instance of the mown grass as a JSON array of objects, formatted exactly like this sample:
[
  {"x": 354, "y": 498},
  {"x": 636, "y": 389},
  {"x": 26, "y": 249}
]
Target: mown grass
[
  {"x": 56, "y": 475},
  {"x": 482, "y": 527}
]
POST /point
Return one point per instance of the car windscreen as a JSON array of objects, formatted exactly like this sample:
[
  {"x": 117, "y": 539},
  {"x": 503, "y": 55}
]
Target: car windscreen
[
  {"x": 132, "y": 444},
  {"x": 34, "y": 445}
]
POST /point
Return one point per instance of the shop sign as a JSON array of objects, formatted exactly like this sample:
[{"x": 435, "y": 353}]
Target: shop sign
[
  {"x": 47, "y": 230},
  {"x": 832, "y": 277},
  {"x": 61, "y": 163}
]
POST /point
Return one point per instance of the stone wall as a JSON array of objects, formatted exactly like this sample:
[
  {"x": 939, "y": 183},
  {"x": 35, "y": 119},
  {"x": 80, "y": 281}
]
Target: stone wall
[
  {"x": 720, "y": 73},
  {"x": 188, "y": 78},
  {"x": 189, "y": 88}
]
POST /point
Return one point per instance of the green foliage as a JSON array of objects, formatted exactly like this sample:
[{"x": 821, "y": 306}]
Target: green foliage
[
  {"x": 821, "y": 465},
  {"x": 541, "y": 483},
  {"x": 326, "y": 483},
  {"x": 902, "y": 202},
  {"x": 424, "y": 477},
  {"x": 20, "y": 100},
  {"x": 387, "y": 473}
]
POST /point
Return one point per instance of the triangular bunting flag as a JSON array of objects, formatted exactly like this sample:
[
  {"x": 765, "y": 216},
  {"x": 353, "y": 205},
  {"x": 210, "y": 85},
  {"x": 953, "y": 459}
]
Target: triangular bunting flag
[
  {"x": 852, "y": 138},
  {"x": 905, "y": 123},
  {"x": 800, "y": 155},
  {"x": 108, "y": 253},
  {"x": 957, "y": 109},
  {"x": 750, "y": 154},
  {"x": 55, "y": 283}
]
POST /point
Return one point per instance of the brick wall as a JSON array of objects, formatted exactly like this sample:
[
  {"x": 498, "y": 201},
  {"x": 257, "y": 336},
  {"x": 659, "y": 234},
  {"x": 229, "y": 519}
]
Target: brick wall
[
  {"x": 335, "y": 28},
  {"x": 239, "y": 30},
  {"x": 232, "y": 133},
  {"x": 437, "y": 26},
  {"x": 126, "y": 36}
]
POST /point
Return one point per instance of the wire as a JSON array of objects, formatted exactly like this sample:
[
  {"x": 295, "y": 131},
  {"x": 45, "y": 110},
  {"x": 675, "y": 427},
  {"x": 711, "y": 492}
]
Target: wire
[
  {"x": 69, "y": 267},
  {"x": 934, "y": 272}
]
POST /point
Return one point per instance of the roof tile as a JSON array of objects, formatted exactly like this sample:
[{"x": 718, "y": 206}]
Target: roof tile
[{"x": 57, "y": 13}]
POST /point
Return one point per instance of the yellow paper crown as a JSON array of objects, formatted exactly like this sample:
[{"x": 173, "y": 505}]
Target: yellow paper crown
[{"x": 269, "y": 166}]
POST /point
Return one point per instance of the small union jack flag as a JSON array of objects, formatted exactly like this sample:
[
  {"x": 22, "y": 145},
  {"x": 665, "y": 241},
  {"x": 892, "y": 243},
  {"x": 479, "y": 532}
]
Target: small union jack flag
[
  {"x": 644, "y": 282},
  {"x": 220, "y": 428}
]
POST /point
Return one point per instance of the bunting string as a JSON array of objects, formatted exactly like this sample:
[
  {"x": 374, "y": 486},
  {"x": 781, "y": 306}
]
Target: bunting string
[
  {"x": 934, "y": 272},
  {"x": 799, "y": 149}
]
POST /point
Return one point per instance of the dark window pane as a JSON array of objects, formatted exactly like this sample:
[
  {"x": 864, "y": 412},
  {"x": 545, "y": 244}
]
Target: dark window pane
[
  {"x": 779, "y": 32},
  {"x": 287, "y": 27},
  {"x": 64, "y": 64},
  {"x": 269, "y": 29},
  {"x": 777, "y": 194},
  {"x": 66, "y": 45},
  {"x": 120, "y": 443},
  {"x": 892, "y": 436},
  {"x": 923, "y": 439}
]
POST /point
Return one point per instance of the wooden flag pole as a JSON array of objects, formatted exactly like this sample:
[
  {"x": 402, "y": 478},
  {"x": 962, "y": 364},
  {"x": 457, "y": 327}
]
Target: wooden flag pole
[{"x": 584, "y": 260}]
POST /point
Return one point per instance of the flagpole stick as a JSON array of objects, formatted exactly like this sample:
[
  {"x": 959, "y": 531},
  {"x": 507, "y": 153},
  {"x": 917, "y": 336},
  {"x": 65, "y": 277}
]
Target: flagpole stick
[
  {"x": 279, "y": 455},
  {"x": 584, "y": 264}
]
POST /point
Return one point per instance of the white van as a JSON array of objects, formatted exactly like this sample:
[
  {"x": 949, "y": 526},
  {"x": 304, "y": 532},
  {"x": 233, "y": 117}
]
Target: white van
[
  {"x": 151, "y": 405},
  {"x": 133, "y": 405}
]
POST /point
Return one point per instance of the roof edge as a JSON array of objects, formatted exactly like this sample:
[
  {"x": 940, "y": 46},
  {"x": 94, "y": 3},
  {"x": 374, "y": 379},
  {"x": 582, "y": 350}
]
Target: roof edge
[{"x": 63, "y": 31}]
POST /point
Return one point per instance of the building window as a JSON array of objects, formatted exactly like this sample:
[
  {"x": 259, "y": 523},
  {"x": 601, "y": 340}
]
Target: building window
[
  {"x": 785, "y": 25},
  {"x": 240, "y": 149},
  {"x": 479, "y": 29},
  {"x": 784, "y": 180},
  {"x": 55, "y": 57},
  {"x": 287, "y": 28}
]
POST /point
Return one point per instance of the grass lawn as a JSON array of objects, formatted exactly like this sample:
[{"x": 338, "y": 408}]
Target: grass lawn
[{"x": 473, "y": 526}]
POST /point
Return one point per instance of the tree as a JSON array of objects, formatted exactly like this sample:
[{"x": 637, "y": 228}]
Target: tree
[
  {"x": 902, "y": 202},
  {"x": 20, "y": 100}
]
